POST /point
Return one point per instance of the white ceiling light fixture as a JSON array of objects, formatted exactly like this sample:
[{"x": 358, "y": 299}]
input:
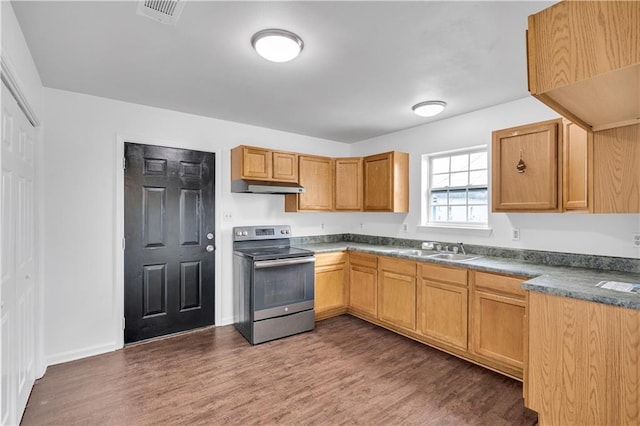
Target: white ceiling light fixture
[
  {"x": 429, "y": 108},
  {"x": 277, "y": 45}
]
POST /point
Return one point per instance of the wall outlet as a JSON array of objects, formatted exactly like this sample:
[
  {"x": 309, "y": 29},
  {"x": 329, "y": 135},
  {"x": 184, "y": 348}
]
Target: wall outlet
[
  {"x": 322, "y": 226},
  {"x": 227, "y": 216},
  {"x": 361, "y": 225},
  {"x": 515, "y": 234},
  {"x": 636, "y": 240},
  {"x": 405, "y": 227}
]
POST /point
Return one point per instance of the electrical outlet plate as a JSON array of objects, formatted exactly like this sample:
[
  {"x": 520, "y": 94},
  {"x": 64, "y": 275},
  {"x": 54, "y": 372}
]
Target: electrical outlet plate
[
  {"x": 405, "y": 227},
  {"x": 636, "y": 240},
  {"x": 515, "y": 234}
]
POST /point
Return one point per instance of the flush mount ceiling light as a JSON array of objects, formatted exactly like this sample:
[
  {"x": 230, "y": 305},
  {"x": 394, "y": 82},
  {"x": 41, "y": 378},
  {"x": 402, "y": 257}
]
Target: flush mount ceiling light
[
  {"x": 277, "y": 45},
  {"x": 429, "y": 108}
]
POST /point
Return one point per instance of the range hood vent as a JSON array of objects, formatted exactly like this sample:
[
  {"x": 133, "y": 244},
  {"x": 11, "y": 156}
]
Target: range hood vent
[
  {"x": 164, "y": 11},
  {"x": 262, "y": 187}
]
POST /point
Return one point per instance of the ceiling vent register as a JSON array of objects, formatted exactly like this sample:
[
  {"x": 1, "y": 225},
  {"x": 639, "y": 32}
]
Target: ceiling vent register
[{"x": 163, "y": 11}]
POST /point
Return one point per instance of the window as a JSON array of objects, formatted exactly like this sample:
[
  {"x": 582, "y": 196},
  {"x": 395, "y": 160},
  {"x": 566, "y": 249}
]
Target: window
[{"x": 456, "y": 185}]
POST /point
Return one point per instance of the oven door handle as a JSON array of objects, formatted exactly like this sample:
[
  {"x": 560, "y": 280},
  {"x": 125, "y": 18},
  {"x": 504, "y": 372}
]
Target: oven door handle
[{"x": 259, "y": 264}]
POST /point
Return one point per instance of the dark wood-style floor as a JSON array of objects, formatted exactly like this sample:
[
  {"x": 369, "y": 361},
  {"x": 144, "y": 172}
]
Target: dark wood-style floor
[{"x": 344, "y": 372}]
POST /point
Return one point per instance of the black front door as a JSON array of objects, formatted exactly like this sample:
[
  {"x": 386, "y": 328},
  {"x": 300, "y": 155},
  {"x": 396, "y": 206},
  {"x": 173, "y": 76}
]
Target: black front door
[{"x": 169, "y": 229}]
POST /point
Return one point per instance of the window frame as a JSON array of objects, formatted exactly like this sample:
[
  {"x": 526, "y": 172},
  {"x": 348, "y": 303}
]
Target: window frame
[{"x": 427, "y": 178}]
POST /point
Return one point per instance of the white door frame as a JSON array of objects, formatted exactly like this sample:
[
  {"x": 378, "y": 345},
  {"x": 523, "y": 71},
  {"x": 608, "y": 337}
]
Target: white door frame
[{"x": 118, "y": 226}]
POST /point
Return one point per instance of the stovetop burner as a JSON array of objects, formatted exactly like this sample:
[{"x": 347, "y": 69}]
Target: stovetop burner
[{"x": 266, "y": 243}]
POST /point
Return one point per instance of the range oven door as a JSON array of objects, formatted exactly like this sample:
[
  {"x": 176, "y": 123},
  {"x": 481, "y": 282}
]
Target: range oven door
[{"x": 282, "y": 286}]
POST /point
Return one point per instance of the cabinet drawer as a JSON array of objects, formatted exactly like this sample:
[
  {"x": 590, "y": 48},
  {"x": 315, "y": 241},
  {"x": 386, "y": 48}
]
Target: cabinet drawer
[
  {"x": 444, "y": 274},
  {"x": 363, "y": 259},
  {"x": 404, "y": 267},
  {"x": 324, "y": 259},
  {"x": 501, "y": 283}
]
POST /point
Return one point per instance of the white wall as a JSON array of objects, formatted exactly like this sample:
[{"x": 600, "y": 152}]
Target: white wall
[
  {"x": 606, "y": 235},
  {"x": 82, "y": 303}
]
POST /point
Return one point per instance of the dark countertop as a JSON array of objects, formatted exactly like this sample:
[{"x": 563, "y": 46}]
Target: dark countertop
[{"x": 577, "y": 283}]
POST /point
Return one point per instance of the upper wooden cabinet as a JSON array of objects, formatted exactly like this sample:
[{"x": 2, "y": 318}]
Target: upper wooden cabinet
[
  {"x": 254, "y": 163},
  {"x": 525, "y": 164},
  {"x": 577, "y": 168},
  {"x": 584, "y": 61},
  {"x": 616, "y": 174},
  {"x": 316, "y": 176},
  {"x": 348, "y": 184},
  {"x": 386, "y": 182}
]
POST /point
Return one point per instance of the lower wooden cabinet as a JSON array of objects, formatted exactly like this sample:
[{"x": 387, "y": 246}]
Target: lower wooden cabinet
[
  {"x": 498, "y": 321},
  {"x": 443, "y": 305},
  {"x": 583, "y": 362},
  {"x": 397, "y": 292},
  {"x": 478, "y": 316},
  {"x": 330, "y": 284},
  {"x": 363, "y": 284}
]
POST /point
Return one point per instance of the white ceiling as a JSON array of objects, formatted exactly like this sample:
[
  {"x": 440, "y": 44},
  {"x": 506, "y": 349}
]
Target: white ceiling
[{"x": 363, "y": 66}]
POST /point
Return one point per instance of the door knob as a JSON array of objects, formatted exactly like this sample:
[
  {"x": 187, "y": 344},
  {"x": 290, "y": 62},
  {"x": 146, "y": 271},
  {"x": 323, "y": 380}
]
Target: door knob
[
  {"x": 209, "y": 248},
  {"x": 210, "y": 236}
]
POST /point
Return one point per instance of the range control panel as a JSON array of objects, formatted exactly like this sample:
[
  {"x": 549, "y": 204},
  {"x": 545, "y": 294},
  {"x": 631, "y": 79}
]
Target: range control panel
[{"x": 267, "y": 232}]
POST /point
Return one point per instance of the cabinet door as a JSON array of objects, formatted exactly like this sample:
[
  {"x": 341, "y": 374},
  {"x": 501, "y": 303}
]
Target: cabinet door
[
  {"x": 285, "y": 166},
  {"x": 397, "y": 293},
  {"x": 386, "y": 182},
  {"x": 348, "y": 190},
  {"x": 525, "y": 167},
  {"x": 256, "y": 163},
  {"x": 576, "y": 147},
  {"x": 330, "y": 289},
  {"x": 443, "y": 312},
  {"x": 498, "y": 328},
  {"x": 616, "y": 174},
  {"x": 316, "y": 176},
  {"x": 363, "y": 283}
]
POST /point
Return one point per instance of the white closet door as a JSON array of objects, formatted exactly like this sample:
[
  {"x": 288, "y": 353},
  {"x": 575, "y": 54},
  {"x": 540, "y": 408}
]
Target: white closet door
[{"x": 17, "y": 270}]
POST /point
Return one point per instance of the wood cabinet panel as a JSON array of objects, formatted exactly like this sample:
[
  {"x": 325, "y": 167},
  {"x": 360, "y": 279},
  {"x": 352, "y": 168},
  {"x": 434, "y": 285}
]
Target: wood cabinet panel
[
  {"x": 498, "y": 321},
  {"x": 397, "y": 292},
  {"x": 444, "y": 312},
  {"x": 444, "y": 274},
  {"x": 616, "y": 174},
  {"x": 443, "y": 304},
  {"x": 577, "y": 172},
  {"x": 330, "y": 284},
  {"x": 499, "y": 283},
  {"x": 537, "y": 186},
  {"x": 584, "y": 61},
  {"x": 348, "y": 184},
  {"x": 386, "y": 182},
  {"x": 583, "y": 362},
  {"x": 363, "y": 283},
  {"x": 285, "y": 166},
  {"x": 251, "y": 163},
  {"x": 315, "y": 174}
]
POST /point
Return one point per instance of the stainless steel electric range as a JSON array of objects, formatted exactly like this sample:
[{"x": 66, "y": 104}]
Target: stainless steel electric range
[{"x": 273, "y": 284}]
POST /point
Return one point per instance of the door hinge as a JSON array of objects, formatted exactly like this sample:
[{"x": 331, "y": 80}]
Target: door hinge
[
  {"x": 124, "y": 320},
  {"x": 124, "y": 163},
  {"x": 124, "y": 243}
]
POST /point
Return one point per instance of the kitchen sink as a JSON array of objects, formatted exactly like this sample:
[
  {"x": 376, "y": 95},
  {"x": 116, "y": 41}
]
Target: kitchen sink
[
  {"x": 454, "y": 256},
  {"x": 410, "y": 252}
]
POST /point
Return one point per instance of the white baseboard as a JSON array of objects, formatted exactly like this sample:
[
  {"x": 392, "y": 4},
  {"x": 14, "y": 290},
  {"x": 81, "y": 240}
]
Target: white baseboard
[
  {"x": 80, "y": 353},
  {"x": 225, "y": 321}
]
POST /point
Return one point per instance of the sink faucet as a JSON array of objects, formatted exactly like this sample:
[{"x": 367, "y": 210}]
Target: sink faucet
[{"x": 461, "y": 248}]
